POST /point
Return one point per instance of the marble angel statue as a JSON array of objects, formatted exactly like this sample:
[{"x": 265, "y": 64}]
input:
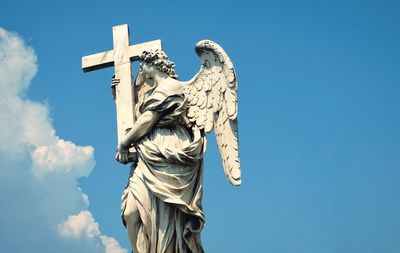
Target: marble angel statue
[{"x": 162, "y": 203}]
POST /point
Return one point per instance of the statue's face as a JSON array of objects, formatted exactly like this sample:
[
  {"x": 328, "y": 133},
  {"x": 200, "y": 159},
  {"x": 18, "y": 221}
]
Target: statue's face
[{"x": 148, "y": 70}]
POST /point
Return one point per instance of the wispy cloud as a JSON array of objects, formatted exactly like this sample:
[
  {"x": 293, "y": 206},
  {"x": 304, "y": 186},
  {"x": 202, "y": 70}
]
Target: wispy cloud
[{"x": 42, "y": 209}]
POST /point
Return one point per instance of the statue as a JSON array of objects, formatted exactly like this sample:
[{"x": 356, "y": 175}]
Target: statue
[{"x": 161, "y": 205}]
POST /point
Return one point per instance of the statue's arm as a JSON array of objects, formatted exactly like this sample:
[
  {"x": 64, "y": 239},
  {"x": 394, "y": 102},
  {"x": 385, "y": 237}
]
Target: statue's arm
[{"x": 141, "y": 127}]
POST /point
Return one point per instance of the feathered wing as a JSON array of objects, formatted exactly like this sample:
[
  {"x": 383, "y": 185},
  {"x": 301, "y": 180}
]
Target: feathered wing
[{"x": 212, "y": 96}]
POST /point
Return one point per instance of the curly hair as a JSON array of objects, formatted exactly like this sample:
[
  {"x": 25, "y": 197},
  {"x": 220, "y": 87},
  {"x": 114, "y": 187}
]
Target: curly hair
[{"x": 160, "y": 61}]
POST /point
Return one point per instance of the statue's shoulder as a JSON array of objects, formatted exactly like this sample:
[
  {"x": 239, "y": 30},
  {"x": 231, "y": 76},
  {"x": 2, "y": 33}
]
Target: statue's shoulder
[
  {"x": 166, "y": 95},
  {"x": 170, "y": 87}
]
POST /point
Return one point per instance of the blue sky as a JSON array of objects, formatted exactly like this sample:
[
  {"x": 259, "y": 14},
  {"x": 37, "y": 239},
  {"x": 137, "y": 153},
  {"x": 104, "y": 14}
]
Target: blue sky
[{"x": 319, "y": 121}]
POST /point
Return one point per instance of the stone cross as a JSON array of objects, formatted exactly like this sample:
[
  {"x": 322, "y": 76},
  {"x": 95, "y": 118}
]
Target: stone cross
[{"x": 121, "y": 57}]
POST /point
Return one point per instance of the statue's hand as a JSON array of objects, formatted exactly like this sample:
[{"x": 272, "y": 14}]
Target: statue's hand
[
  {"x": 122, "y": 154},
  {"x": 114, "y": 83}
]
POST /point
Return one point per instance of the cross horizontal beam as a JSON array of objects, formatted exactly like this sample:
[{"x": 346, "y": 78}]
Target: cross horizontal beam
[{"x": 106, "y": 59}]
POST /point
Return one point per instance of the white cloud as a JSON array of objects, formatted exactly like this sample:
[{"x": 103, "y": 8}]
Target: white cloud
[
  {"x": 63, "y": 156},
  {"x": 111, "y": 245},
  {"x": 84, "y": 225},
  {"x": 17, "y": 63},
  {"x": 38, "y": 169},
  {"x": 80, "y": 225}
]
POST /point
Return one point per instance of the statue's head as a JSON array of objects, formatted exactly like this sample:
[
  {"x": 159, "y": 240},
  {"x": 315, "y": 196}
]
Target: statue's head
[{"x": 156, "y": 60}]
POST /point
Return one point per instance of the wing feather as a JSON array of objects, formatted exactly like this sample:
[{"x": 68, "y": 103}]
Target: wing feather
[{"x": 212, "y": 96}]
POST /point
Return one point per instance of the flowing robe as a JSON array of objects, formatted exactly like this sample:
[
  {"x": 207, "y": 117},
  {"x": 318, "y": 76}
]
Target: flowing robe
[{"x": 167, "y": 182}]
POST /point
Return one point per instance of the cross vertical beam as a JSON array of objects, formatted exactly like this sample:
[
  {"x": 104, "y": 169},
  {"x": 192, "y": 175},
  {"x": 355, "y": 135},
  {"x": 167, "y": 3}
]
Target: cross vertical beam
[{"x": 124, "y": 93}]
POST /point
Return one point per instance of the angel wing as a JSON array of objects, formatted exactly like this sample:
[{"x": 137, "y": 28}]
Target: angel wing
[{"x": 212, "y": 96}]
